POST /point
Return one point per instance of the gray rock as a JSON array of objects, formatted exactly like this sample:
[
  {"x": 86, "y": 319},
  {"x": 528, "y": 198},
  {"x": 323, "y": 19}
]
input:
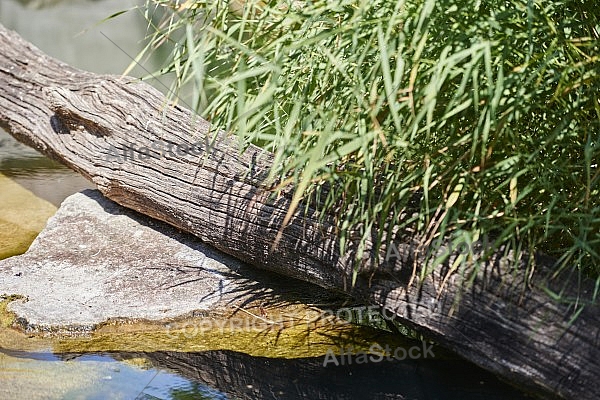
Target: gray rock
[{"x": 96, "y": 261}]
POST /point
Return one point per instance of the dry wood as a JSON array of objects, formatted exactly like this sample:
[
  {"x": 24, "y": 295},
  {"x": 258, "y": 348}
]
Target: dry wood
[{"x": 161, "y": 160}]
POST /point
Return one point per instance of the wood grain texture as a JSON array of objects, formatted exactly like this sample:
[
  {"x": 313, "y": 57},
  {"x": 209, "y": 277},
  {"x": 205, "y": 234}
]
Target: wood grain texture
[{"x": 163, "y": 161}]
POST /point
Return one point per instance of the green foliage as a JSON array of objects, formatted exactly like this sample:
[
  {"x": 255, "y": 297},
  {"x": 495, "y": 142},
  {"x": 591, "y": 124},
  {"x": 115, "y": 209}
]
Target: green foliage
[{"x": 487, "y": 110}]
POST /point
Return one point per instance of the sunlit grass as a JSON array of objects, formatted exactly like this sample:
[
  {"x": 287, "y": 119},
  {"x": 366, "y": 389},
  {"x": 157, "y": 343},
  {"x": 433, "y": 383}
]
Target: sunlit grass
[{"x": 487, "y": 112}]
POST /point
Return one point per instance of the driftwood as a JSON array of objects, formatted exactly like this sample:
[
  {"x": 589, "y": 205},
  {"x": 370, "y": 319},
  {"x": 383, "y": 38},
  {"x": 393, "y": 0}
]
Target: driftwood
[{"x": 161, "y": 160}]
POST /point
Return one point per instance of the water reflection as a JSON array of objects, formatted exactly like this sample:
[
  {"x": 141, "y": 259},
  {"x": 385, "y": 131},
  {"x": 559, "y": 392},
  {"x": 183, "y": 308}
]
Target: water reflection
[
  {"x": 228, "y": 374},
  {"x": 44, "y": 177},
  {"x": 93, "y": 376},
  {"x": 71, "y": 31}
]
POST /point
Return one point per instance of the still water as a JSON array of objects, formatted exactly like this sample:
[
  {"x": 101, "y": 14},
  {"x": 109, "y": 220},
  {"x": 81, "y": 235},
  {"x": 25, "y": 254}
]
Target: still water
[{"x": 69, "y": 31}]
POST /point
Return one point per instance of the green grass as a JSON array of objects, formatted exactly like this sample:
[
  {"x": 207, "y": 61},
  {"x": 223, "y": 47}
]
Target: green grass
[{"x": 487, "y": 111}]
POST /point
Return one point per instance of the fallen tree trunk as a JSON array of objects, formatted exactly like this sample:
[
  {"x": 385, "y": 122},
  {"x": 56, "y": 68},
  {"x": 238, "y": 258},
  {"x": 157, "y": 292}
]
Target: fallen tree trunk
[{"x": 162, "y": 160}]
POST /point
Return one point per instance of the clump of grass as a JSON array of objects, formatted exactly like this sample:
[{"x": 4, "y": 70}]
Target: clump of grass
[{"x": 486, "y": 112}]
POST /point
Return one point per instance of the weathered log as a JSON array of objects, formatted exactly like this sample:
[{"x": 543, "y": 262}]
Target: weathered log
[{"x": 160, "y": 159}]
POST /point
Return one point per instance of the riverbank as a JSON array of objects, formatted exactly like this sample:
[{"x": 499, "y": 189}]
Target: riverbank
[{"x": 118, "y": 293}]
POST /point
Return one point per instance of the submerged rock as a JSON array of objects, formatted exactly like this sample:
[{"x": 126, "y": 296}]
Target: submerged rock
[{"x": 22, "y": 217}]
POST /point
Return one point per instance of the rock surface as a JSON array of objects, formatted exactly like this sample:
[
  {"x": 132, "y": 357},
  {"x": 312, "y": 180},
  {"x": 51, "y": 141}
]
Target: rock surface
[{"x": 96, "y": 261}]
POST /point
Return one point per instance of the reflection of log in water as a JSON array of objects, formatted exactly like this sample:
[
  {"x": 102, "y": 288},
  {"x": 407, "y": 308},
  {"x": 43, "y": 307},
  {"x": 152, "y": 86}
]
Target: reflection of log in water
[{"x": 242, "y": 376}]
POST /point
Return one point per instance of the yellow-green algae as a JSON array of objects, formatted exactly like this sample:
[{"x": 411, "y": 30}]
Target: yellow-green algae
[
  {"x": 7, "y": 318},
  {"x": 22, "y": 216},
  {"x": 301, "y": 335}
]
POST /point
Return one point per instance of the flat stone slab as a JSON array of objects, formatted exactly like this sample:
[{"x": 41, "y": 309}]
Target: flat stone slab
[{"x": 96, "y": 261}]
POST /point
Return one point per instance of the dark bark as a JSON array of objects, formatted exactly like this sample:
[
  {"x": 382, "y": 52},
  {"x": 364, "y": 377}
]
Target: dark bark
[{"x": 209, "y": 187}]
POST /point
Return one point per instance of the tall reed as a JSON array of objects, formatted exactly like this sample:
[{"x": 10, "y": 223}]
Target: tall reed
[{"x": 486, "y": 111}]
